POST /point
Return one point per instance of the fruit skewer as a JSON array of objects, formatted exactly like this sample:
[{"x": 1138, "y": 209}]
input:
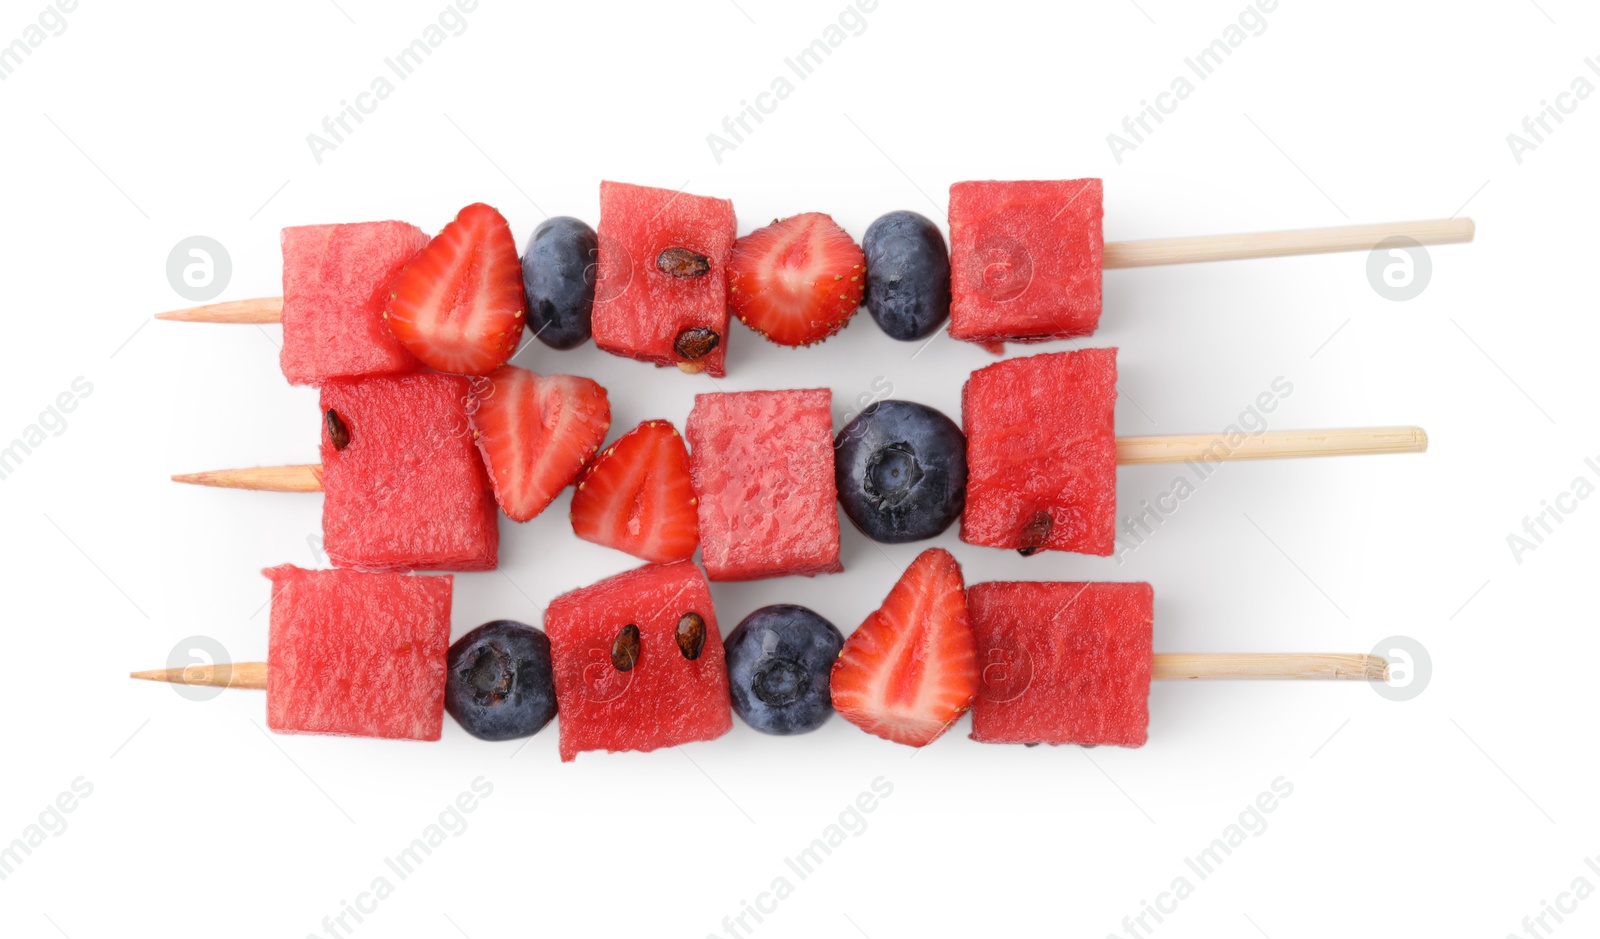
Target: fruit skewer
[
  {"x": 414, "y": 465},
  {"x": 637, "y": 661},
  {"x": 1180, "y": 448},
  {"x": 1118, "y": 254},
  {"x": 1023, "y": 264},
  {"x": 1168, "y": 666}
]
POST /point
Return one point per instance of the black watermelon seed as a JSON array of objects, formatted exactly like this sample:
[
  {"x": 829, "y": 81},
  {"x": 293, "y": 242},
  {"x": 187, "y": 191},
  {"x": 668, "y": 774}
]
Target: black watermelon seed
[
  {"x": 695, "y": 342},
  {"x": 338, "y": 433},
  {"x": 691, "y": 635},
  {"x": 681, "y": 262},
  {"x": 1036, "y": 533},
  {"x": 625, "y": 649}
]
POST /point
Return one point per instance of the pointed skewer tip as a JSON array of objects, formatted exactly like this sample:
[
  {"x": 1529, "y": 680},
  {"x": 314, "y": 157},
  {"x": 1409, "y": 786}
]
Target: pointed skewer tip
[{"x": 222, "y": 675}]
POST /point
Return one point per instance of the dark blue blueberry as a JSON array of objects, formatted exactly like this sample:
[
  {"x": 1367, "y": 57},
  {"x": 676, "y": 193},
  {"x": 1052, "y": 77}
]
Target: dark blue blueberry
[
  {"x": 558, "y": 277},
  {"x": 779, "y": 662},
  {"x": 901, "y": 470},
  {"x": 499, "y": 684},
  {"x": 908, "y": 275}
]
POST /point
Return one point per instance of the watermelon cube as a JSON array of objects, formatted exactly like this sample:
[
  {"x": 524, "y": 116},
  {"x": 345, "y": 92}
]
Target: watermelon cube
[
  {"x": 1062, "y": 662},
  {"x": 404, "y": 486},
  {"x": 1025, "y": 260},
  {"x": 1042, "y": 453},
  {"x": 638, "y": 662},
  {"x": 357, "y": 654},
  {"x": 336, "y": 280},
  {"x": 660, "y": 292},
  {"x": 762, "y": 463}
]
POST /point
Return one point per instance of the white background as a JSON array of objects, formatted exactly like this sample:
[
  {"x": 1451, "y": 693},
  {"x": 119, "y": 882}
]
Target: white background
[{"x": 1456, "y": 813}]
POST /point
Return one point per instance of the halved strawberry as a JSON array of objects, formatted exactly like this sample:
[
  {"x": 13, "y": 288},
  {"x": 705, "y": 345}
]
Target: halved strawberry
[
  {"x": 798, "y": 280},
  {"x": 458, "y": 305},
  {"x": 637, "y": 496},
  {"x": 535, "y": 432},
  {"x": 911, "y": 669}
]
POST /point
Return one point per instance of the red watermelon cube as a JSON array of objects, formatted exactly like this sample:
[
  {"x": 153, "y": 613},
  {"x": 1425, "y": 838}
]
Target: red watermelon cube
[
  {"x": 405, "y": 488},
  {"x": 762, "y": 463},
  {"x": 336, "y": 280},
  {"x": 625, "y": 678},
  {"x": 1025, "y": 260},
  {"x": 357, "y": 654},
  {"x": 660, "y": 292},
  {"x": 1042, "y": 453},
  {"x": 1062, "y": 662}
]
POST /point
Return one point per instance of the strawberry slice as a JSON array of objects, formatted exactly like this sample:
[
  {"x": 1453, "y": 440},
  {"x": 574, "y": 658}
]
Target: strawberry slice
[
  {"x": 797, "y": 281},
  {"x": 535, "y": 432},
  {"x": 458, "y": 305},
  {"x": 637, "y": 496},
  {"x": 911, "y": 669}
]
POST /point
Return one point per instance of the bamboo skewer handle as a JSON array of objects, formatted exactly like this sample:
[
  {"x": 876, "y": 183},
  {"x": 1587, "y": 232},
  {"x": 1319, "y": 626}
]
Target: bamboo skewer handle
[
  {"x": 259, "y": 310},
  {"x": 1277, "y": 244},
  {"x": 302, "y": 477},
  {"x": 1273, "y": 445},
  {"x": 236, "y": 675},
  {"x": 1299, "y": 666},
  {"x": 1210, "y": 448},
  {"x": 1168, "y": 667}
]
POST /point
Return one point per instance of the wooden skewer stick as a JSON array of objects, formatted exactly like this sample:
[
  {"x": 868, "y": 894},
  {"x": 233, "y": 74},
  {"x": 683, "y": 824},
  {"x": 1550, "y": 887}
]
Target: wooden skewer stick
[
  {"x": 259, "y": 310},
  {"x": 1283, "y": 444},
  {"x": 1277, "y": 244},
  {"x": 1267, "y": 244},
  {"x": 1356, "y": 667},
  {"x": 237, "y": 675},
  {"x": 1272, "y": 445},
  {"x": 304, "y": 477},
  {"x": 1168, "y": 667}
]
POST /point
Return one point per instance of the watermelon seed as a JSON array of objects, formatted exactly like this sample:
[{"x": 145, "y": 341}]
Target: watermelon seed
[
  {"x": 338, "y": 433},
  {"x": 695, "y": 342},
  {"x": 625, "y": 649},
  {"x": 691, "y": 635},
  {"x": 1036, "y": 533},
  {"x": 681, "y": 262}
]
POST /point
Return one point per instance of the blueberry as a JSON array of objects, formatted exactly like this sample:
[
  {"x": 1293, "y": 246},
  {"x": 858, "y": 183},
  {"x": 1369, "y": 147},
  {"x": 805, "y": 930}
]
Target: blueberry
[
  {"x": 901, "y": 470},
  {"x": 779, "y": 661},
  {"x": 558, "y": 277},
  {"x": 499, "y": 684},
  {"x": 908, "y": 275}
]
